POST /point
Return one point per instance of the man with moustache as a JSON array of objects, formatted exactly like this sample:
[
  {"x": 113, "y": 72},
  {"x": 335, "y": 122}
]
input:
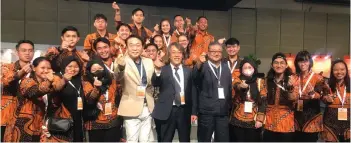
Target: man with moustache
[
  {"x": 175, "y": 107},
  {"x": 213, "y": 80},
  {"x": 11, "y": 76}
]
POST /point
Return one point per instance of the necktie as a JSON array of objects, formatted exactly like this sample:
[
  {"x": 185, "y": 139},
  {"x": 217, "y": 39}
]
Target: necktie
[{"x": 178, "y": 90}]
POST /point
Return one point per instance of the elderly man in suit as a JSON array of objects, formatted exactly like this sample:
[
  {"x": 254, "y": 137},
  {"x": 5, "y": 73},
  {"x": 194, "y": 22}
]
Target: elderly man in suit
[
  {"x": 214, "y": 82},
  {"x": 137, "y": 103},
  {"x": 174, "y": 106}
]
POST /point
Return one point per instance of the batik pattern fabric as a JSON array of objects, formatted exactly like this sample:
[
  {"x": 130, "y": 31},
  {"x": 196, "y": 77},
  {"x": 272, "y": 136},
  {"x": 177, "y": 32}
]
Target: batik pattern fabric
[
  {"x": 200, "y": 43},
  {"x": 103, "y": 121},
  {"x": 243, "y": 119},
  {"x": 310, "y": 119},
  {"x": 90, "y": 39},
  {"x": 30, "y": 111},
  {"x": 9, "y": 86},
  {"x": 333, "y": 128}
]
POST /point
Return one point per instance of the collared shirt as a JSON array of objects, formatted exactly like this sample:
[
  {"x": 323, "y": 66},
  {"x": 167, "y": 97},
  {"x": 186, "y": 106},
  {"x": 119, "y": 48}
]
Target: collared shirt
[
  {"x": 90, "y": 39},
  {"x": 181, "y": 76},
  {"x": 201, "y": 42},
  {"x": 140, "y": 32},
  {"x": 138, "y": 66}
]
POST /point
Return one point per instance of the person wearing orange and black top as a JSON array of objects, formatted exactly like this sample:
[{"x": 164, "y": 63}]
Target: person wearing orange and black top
[
  {"x": 162, "y": 48},
  {"x": 250, "y": 103},
  {"x": 100, "y": 23},
  {"x": 336, "y": 118},
  {"x": 308, "y": 116},
  {"x": 11, "y": 75},
  {"x": 68, "y": 103},
  {"x": 201, "y": 37},
  {"x": 26, "y": 125},
  {"x": 119, "y": 44},
  {"x": 279, "y": 125},
  {"x": 100, "y": 90},
  {"x": 165, "y": 30},
  {"x": 70, "y": 37}
]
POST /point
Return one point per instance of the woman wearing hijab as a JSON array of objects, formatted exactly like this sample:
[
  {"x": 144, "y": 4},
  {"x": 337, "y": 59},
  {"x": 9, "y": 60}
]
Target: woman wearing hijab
[
  {"x": 68, "y": 103},
  {"x": 250, "y": 103},
  {"x": 336, "y": 118},
  {"x": 28, "y": 120},
  {"x": 100, "y": 91},
  {"x": 279, "y": 126}
]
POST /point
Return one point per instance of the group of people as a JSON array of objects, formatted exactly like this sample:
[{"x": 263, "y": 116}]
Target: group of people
[{"x": 147, "y": 85}]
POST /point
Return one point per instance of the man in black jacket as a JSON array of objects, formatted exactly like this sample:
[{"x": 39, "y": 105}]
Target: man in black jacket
[
  {"x": 176, "y": 105},
  {"x": 213, "y": 80}
]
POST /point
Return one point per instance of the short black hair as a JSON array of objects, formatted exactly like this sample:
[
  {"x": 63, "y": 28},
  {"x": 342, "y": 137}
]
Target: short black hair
[
  {"x": 24, "y": 41},
  {"x": 177, "y": 16},
  {"x": 303, "y": 56},
  {"x": 232, "y": 41},
  {"x": 135, "y": 36},
  {"x": 151, "y": 44},
  {"x": 201, "y": 17},
  {"x": 101, "y": 39},
  {"x": 136, "y": 10},
  {"x": 100, "y": 16},
  {"x": 69, "y": 28},
  {"x": 123, "y": 24}
]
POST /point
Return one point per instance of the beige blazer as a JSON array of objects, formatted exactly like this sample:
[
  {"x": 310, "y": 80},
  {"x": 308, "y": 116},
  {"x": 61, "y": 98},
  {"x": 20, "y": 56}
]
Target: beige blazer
[{"x": 131, "y": 105}]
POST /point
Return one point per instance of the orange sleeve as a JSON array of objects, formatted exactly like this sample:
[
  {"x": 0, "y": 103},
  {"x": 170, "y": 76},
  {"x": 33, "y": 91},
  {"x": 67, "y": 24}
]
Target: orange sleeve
[
  {"x": 31, "y": 89},
  {"x": 87, "y": 44},
  {"x": 58, "y": 83},
  {"x": 188, "y": 61},
  {"x": 90, "y": 92},
  {"x": 7, "y": 74}
]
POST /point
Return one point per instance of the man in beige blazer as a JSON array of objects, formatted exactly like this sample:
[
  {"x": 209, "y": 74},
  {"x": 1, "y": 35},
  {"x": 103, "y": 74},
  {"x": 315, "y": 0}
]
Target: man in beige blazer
[{"x": 137, "y": 102}]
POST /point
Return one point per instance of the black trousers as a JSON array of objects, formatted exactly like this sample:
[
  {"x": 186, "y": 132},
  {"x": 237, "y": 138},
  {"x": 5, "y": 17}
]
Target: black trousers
[
  {"x": 179, "y": 119},
  {"x": 247, "y": 134},
  {"x": 231, "y": 133},
  {"x": 105, "y": 135},
  {"x": 305, "y": 137},
  {"x": 3, "y": 128},
  {"x": 207, "y": 124},
  {"x": 269, "y": 136}
]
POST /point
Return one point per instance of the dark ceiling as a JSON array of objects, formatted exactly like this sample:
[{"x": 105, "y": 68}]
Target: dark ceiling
[
  {"x": 335, "y": 2},
  {"x": 221, "y": 5}
]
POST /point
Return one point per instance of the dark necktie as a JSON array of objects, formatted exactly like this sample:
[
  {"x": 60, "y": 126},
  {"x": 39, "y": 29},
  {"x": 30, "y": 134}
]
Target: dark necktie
[{"x": 178, "y": 89}]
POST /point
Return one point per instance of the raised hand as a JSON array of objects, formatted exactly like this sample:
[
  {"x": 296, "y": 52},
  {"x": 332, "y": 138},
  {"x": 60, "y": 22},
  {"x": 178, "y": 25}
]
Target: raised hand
[{"x": 97, "y": 82}]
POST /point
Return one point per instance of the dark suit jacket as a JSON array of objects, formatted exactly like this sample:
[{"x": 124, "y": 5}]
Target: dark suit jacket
[
  {"x": 207, "y": 84},
  {"x": 166, "y": 83}
]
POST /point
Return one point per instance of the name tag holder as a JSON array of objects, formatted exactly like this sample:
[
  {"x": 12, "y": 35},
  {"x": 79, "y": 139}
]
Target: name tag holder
[
  {"x": 342, "y": 112},
  {"x": 79, "y": 99},
  {"x": 108, "y": 108},
  {"x": 141, "y": 91}
]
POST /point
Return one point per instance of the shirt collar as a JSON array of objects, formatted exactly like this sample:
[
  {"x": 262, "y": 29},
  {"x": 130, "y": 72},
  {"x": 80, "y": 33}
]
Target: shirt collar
[{"x": 180, "y": 67}]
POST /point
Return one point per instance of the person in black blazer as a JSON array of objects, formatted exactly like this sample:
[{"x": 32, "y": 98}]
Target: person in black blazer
[
  {"x": 214, "y": 96},
  {"x": 174, "y": 107}
]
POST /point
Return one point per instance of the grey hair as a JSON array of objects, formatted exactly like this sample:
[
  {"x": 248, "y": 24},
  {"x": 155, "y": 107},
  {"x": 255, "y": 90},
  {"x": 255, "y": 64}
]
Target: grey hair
[
  {"x": 214, "y": 44},
  {"x": 177, "y": 45}
]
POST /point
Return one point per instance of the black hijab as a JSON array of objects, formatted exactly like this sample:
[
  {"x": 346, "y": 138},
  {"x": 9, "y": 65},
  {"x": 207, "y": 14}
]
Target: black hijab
[
  {"x": 102, "y": 75},
  {"x": 76, "y": 80},
  {"x": 251, "y": 81}
]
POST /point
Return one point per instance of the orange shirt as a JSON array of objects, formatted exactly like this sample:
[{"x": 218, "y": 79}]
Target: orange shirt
[
  {"x": 201, "y": 42},
  {"x": 90, "y": 39},
  {"x": 103, "y": 121},
  {"x": 143, "y": 32}
]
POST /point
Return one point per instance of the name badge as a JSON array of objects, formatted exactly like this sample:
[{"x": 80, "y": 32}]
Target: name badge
[
  {"x": 221, "y": 93},
  {"x": 182, "y": 98},
  {"x": 299, "y": 105},
  {"x": 108, "y": 109},
  {"x": 79, "y": 103},
  {"x": 248, "y": 107},
  {"x": 342, "y": 114},
  {"x": 141, "y": 91}
]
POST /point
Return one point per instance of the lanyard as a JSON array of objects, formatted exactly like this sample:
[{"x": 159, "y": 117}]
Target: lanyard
[
  {"x": 111, "y": 67},
  {"x": 78, "y": 90},
  {"x": 141, "y": 72},
  {"x": 281, "y": 87},
  {"x": 304, "y": 87},
  {"x": 167, "y": 42},
  {"x": 343, "y": 99},
  {"x": 179, "y": 33},
  {"x": 27, "y": 76},
  {"x": 232, "y": 69},
  {"x": 179, "y": 82},
  {"x": 219, "y": 74}
]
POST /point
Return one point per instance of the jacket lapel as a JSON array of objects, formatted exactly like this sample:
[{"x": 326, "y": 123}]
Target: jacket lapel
[
  {"x": 134, "y": 70},
  {"x": 186, "y": 74}
]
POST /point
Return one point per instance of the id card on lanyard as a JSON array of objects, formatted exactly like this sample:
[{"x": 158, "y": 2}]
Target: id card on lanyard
[
  {"x": 79, "y": 99},
  {"x": 141, "y": 89},
  {"x": 342, "y": 112},
  {"x": 220, "y": 88},
  {"x": 300, "y": 101},
  {"x": 248, "y": 105}
]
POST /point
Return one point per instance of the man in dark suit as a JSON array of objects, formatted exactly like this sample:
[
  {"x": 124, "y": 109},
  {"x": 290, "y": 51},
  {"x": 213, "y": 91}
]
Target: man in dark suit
[
  {"x": 175, "y": 107},
  {"x": 213, "y": 80}
]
